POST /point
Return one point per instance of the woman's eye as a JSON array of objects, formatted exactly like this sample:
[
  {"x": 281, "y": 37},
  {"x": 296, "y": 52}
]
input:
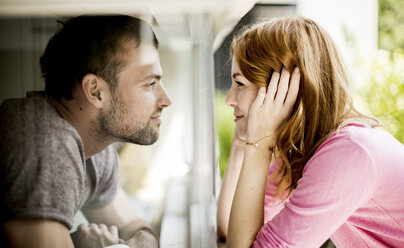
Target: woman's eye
[{"x": 239, "y": 83}]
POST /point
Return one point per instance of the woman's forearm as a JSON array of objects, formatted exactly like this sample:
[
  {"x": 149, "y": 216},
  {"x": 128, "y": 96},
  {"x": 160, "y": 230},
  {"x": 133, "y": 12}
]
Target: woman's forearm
[
  {"x": 228, "y": 188},
  {"x": 247, "y": 211}
]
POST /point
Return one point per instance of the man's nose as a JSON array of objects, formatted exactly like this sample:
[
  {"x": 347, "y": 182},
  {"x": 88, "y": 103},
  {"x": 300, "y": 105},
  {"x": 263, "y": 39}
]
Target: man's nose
[{"x": 163, "y": 99}]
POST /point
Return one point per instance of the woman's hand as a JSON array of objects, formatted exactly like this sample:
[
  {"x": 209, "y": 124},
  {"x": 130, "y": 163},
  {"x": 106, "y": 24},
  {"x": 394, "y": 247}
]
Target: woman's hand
[
  {"x": 271, "y": 108},
  {"x": 267, "y": 114}
]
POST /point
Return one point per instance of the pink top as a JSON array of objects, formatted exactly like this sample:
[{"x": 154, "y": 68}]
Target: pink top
[{"x": 352, "y": 190}]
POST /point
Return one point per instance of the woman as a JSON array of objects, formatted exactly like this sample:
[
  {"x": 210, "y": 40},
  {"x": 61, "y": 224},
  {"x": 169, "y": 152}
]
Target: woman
[{"x": 304, "y": 164}]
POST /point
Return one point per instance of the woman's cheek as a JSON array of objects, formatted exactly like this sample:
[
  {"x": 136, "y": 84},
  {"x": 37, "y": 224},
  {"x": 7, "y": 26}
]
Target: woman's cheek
[{"x": 250, "y": 99}]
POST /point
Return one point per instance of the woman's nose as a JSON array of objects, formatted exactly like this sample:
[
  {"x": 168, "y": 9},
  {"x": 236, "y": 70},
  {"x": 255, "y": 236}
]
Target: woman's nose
[{"x": 231, "y": 97}]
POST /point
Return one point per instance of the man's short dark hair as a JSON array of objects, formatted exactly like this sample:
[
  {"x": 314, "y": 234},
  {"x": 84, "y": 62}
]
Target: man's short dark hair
[{"x": 90, "y": 44}]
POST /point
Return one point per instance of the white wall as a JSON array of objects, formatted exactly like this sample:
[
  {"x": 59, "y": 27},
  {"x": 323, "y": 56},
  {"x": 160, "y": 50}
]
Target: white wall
[{"x": 359, "y": 17}]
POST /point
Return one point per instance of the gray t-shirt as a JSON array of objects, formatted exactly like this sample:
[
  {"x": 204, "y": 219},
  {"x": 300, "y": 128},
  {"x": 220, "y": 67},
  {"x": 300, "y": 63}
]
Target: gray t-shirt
[{"x": 43, "y": 172}]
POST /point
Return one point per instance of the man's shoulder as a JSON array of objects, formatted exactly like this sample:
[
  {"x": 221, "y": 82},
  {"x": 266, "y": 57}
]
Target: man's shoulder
[
  {"x": 32, "y": 111},
  {"x": 42, "y": 161},
  {"x": 32, "y": 98},
  {"x": 34, "y": 121},
  {"x": 34, "y": 136}
]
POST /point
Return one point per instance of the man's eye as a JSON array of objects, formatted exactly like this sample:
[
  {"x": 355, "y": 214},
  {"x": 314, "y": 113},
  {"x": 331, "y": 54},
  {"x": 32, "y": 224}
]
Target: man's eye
[{"x": 152, "y": 84}]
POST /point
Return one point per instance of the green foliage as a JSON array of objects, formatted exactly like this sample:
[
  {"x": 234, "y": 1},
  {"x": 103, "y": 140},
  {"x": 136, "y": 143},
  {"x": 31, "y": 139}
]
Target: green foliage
[
  {"x": 384, "y": 94},
  {"x": 225, "y": 128},
  {"x": 391, "y": 24}
]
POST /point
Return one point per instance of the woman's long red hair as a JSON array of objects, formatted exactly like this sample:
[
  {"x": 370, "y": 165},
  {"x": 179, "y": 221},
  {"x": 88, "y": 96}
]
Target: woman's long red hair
[{"x": 323, "y": 104}]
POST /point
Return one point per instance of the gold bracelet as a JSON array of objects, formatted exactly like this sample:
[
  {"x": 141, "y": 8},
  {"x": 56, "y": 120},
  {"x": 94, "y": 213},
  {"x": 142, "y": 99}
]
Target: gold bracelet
[{"x": 269, "y": 148}]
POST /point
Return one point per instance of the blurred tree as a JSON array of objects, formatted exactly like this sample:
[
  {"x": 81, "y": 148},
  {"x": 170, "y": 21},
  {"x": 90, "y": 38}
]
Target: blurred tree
[
  {"x": 391, "y": 24},
  {"x": 384, "y": 94}
]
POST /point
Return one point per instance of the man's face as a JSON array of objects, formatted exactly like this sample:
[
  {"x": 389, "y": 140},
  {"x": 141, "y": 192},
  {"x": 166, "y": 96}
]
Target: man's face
[{"x": 138, "y": 99}]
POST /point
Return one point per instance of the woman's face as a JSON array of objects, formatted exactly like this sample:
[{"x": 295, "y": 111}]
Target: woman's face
[{"x": 242, "y": 93}]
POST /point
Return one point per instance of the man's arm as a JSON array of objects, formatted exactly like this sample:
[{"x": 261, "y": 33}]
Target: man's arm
[
  {"x": 120, "y": 213},
  {"x": 44, "y": 233}
]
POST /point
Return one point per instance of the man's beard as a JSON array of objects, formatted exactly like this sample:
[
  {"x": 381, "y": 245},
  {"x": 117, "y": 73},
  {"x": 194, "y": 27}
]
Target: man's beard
[{"x": 114, "y": 125}]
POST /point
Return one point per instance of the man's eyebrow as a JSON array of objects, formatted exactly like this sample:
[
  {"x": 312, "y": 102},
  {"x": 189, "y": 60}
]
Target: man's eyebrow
[
  {"x": 236, "y": 74},
  {"x": 152, "y": 76}
]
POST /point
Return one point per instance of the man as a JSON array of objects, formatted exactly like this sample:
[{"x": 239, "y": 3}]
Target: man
[{"x": 102, "y": 85}]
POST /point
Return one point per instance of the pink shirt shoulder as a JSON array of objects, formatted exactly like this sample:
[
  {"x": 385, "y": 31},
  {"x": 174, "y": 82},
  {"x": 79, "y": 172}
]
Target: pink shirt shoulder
[{"x": 351, "y": 190}]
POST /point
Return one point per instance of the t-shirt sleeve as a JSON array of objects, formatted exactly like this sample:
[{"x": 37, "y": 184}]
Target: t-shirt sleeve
[
  {"x": 337, "y": 180},
  {"x": 105, "y": 167},
  {"x": 42, "y": 184},
  {"x": 42, "y": 173}
]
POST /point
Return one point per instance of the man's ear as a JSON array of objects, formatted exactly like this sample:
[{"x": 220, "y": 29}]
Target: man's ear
[{"x": 94, "y": 89}]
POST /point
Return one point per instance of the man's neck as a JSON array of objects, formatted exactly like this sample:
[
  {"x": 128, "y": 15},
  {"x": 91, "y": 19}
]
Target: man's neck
[{"x": 80, "y": 115}]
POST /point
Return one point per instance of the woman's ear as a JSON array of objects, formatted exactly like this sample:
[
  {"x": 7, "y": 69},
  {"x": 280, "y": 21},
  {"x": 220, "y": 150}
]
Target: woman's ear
[{"x": 93, "y": 89}]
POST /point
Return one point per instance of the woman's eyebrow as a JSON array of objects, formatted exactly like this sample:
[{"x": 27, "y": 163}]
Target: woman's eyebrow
[{"x": 236, "y": 74}]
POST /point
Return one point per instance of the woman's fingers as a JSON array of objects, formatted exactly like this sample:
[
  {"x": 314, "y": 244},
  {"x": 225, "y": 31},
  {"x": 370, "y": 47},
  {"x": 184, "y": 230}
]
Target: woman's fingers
[
  {"x": 259, "y": 99},
  {"x": 283, "y": 86},
  {"x": 278, "y": 89},
  {"x": 272, "y": 107},
  {"x": 273, "y": 86},
  {"x": 293, "y": 89}
]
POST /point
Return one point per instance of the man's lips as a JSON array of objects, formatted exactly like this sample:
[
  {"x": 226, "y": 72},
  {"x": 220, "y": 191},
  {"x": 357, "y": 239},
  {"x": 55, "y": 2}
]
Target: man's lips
[{"x": 156, "y": 117}]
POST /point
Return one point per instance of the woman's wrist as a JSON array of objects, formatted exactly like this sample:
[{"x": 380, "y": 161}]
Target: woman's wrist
[
  {"x": 267, "y": 143},
  {"x": 261, "y": 157},
  {"x": 238, "y": 142},
  {"x": 259, "y": 151}
]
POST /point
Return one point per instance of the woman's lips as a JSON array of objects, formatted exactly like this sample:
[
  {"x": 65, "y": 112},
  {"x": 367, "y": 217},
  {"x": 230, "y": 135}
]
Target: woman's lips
[{"x": 238, "y": 117}]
